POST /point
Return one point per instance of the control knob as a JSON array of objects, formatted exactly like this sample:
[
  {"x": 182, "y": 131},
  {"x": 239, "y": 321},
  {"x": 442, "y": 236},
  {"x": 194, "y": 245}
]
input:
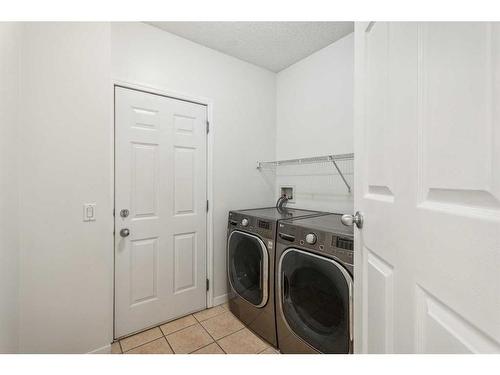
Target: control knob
[
  {"x": 244, "y": 222},
  {"x": 311, "y": 238}
]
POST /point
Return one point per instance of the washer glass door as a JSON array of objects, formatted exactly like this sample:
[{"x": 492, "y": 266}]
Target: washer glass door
[
  {"x": 248, "y": 267},
  {"x": 315, "y": 300}
]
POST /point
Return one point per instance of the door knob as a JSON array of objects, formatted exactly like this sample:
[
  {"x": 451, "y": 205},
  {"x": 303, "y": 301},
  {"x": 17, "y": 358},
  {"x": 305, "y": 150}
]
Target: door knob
[
  {"x": 124, "y": 232},
  {"x": 350, "y": 220}
]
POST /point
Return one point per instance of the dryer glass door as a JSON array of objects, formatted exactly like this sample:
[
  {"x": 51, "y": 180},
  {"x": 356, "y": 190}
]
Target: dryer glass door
[
  {"x": 248, "y": 267},
  {"x": 315, "y": 300}
]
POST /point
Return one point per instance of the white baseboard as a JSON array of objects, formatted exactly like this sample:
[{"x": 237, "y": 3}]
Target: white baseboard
[
  {"x": 104, "y": 350},
  {"x": 219, "y": 300}
]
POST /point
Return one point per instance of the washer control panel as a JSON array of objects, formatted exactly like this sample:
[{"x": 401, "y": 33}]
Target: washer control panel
[
  {"x": 311, "y": 238},
  {"x": 265, "y": 228}
]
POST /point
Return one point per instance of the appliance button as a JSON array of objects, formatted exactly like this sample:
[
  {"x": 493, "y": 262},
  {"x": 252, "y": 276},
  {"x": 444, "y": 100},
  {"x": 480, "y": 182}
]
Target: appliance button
[
  {"x": 311, "y": 238},
  {"x": 244, "y": 222}
]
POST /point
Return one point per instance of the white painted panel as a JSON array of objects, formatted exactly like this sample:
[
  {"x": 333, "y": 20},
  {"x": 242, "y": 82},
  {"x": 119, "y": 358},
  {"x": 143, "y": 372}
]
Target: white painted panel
[
  {"x": 380, "y": 305},
  {"x": 379, "y": 140},
  {"x": 143, "y": 270},
  {"x": 184, "y": 180},
  {"x": 441, "y": 330},
  {"x": 441, "y": 231},
  {"x": 10, "y": 47},
  {"x": 163, "y": 181},
  {"x": 457, "y": 104},
  {"x": 184, "y": 262},
  {"x": 183, "y": 124},
  {"x": 145, "y": 118},
  {"x": 144, "y": 179}
]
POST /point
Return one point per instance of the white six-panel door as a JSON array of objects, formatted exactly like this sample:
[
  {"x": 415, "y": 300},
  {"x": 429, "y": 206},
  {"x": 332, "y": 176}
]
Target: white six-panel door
[
  {"x": 160, "y": 178},
  {"x": 427, "y": 147}
]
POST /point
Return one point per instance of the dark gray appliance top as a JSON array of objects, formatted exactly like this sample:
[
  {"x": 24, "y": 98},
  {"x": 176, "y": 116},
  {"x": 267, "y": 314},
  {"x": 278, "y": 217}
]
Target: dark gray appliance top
[
  {"x": 272, "y": 213},
  {"x": 326, "y": 223}
]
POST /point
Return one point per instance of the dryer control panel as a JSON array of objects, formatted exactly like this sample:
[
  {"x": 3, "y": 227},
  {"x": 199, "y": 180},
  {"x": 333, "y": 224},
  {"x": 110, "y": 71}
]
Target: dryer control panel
[{"x": 318, "y": 241}]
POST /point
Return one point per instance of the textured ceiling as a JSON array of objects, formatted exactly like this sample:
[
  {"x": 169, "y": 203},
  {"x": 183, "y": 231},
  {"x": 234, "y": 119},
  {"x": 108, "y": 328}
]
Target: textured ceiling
[{"x": 271, "y": 45}]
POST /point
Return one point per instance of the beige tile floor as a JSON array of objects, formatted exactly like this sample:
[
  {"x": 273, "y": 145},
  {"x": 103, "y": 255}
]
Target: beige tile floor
[{"x": 211, "y": 331}]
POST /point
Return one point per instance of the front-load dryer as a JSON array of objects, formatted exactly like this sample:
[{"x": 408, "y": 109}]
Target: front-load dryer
[
  {"x": 250, "y": 266},
  {"x": 314, "y": 282}
]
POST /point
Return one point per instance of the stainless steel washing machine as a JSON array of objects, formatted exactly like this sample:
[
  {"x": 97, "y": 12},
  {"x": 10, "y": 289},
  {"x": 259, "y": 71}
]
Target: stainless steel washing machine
[
  {"x": 314, "y": 283},
  {"x": 250, "y": 266}
]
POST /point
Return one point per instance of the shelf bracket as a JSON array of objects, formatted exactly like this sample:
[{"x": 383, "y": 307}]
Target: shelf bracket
[
  {"x": 332, "y": 159},
  {"x": 316, "y": 159}
]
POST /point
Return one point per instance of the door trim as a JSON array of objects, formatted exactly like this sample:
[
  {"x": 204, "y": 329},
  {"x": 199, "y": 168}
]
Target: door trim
[
  {"x": 265, "y": 268},
  {"x": 209, "y": 187},
  {"x": 360, "y": 30}
]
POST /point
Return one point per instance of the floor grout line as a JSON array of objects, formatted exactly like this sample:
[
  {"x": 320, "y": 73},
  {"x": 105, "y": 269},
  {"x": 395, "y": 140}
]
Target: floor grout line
[
  {"x": 223, "y": 337},
  {"x": 213, "y": 338},
  {"x": 199, "y": 322},
  {"x": 180, "y": 329},
  {"x": 204, "y": 346},
  {"x": 222, "y": 312},
  {"x": 138, "y": 333},
  {"x": 262, "y": 351},
  {"x": 195, "y": 323},
  {"x": 173, "y": 351},
  {"x": 264, "y": 341},
  {"x": 166, "y": 322},
  {"x": 149, "y": 342},
  {"x": 220, "y": 347},
  {"x": 170, "y": 346}
]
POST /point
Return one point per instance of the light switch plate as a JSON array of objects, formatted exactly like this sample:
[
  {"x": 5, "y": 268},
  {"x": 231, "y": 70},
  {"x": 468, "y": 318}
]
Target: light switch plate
[{"x": 89, "y": 212}]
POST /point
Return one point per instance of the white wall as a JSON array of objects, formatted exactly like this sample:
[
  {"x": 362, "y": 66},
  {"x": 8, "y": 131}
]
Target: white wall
[
  {"x": 243, "y": 114},
  {"x": 315, "y": 117},
  {"x": 65, "y": 160},
  {"x": 9, "y": 245}
]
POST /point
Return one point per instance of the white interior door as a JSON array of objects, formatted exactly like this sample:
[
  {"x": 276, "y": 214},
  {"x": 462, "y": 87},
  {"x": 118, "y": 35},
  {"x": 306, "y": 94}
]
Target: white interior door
[
  {"x": 160, "y": 178},
  {"x": 427, "y": 171}
]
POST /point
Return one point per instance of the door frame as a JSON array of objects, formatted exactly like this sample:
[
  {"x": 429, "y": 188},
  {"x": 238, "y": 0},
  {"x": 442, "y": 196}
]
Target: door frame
[
  {"x": 359, "y": 303},
  {"x": 209, "y": 187}
]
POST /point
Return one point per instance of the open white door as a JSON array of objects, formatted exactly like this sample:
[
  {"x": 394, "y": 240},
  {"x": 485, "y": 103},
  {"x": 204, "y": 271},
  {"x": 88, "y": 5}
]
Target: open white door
[
  {"x": 427, "y": 171},
  {"x": 160, "y": 202}
]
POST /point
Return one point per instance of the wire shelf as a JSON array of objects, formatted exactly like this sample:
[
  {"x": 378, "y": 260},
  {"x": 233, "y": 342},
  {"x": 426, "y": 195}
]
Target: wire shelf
[
  {"x": 342, "y": 163},
  {"x": 308, "y": 160}
]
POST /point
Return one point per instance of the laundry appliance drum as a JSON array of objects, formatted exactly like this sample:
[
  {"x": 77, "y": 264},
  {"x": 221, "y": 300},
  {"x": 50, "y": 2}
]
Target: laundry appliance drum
[
  {"x": 315, "y": 300},
  {"x": 248, "y": 267}
]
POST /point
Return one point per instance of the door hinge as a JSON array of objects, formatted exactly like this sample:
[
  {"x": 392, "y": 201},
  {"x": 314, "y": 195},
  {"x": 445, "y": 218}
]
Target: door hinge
[
  {"x": 208, "y": 285},
  {"x": 207, "y": 205},
  {"x": 208, "y": 127}
]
